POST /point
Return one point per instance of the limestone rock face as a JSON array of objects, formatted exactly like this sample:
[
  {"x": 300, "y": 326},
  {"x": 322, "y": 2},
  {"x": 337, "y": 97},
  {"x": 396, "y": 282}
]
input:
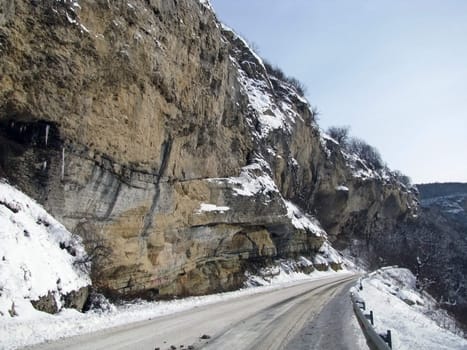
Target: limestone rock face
[{"x": 156, "y": 134}]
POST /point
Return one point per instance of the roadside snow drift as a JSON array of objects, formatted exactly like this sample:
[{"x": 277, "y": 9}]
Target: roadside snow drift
[
  {"x": 412, "y": 316},
  {"x": 38, "y": 256}
]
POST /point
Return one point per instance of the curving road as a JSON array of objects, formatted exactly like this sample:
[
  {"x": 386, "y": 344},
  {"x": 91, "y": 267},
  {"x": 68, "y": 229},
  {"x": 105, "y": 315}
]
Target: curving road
[{"x": 277, "y": 319}]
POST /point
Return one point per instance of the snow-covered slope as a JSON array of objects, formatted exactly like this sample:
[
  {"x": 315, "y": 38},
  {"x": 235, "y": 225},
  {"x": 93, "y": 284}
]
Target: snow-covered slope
[
  {"x": 412, "y": 316},
  {"x": 38, "y": 256}
]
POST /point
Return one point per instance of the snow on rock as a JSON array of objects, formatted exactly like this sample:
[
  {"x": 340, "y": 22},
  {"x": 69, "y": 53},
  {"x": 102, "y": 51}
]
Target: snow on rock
[
  {"x": 212, "y": 207},
  {"x": 327, "y": 255},
  {"x": 70, "y": 9},
  {"x": 236, "y": 36},
  {"x": 323, "y": 140},
  {"x": 270, "y": 114},
  {"x": 38, "y": 256},
  {"x": 253, "y": 180},
  {"x": 412, "y": 316},
  {"x": 303, "y": 221},
  {"x": 327, "y": 137},
  {"x": 207, "y": 4},
  {"x": 359, "y": 167},
  {"x": 342, "y": 188},
  {"x": 286, "y": 271}
]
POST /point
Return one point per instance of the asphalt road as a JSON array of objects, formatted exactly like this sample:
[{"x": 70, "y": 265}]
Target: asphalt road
[
  {"x": 277, "y": 319},
  {"x": 335, "y": 327}
]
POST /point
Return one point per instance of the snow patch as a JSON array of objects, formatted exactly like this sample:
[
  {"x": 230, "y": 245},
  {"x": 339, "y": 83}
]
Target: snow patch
[
  {"x": 207, "y": 4},
  {"x": 212, "y": 207},
  {"x": 412, "y": 316},
  {"x": 302, "y": 221},
  {"x": 236, "y": 36},
  {"x": 286, "y": 271},
  {"x": 253, "y": 180},
  {"x": 38, "y": 255},
  {"x": 328, "y": 255},
  {"x": 269, "y": 115}
]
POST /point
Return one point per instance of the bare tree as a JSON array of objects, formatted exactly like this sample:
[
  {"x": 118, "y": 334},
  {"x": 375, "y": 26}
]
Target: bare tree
[
  {"x": 340, "y": 134},
  {"x": 366, "y": 152},
  {"x": 97, "y": 257},
  {"x": 279, "y": 74},
  {"x": 402, "y": 178},
  {"x": 315, "y": 113}
]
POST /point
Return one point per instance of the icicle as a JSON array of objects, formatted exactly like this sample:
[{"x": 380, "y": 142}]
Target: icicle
[
  {"x": 47, "y": 127},
  {"x": 63, "y": 163}
]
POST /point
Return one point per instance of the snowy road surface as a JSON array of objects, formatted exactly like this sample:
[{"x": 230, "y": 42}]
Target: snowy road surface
[
  {"x": 320, "y": 331},
  {"x": 269, "y": 320}
]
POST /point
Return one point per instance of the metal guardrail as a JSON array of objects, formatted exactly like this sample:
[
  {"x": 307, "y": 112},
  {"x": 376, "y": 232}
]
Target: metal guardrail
[{"x": 374, "y": 340}]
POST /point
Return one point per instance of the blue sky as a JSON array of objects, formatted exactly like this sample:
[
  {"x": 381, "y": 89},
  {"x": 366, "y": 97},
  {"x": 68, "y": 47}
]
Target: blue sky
[{"x": 395, "y": 71}]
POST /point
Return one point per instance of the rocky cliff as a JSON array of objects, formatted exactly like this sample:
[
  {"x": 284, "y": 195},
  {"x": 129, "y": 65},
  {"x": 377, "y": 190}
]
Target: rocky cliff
[{"x": 158, "y": 135}]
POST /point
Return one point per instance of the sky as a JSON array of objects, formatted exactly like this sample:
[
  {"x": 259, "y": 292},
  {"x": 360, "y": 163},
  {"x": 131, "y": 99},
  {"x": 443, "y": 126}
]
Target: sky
[{"x": 395, "y": 71}]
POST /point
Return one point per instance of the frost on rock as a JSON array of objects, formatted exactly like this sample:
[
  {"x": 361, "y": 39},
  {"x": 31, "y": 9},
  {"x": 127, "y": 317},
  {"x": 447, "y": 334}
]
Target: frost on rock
[
  {"x": 414, "y": 318},
  {"x": 38, "y": 255},
  {"x": 302, "y": 221}
]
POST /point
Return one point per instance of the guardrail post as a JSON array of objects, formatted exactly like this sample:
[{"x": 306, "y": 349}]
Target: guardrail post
[
  {"x": 361, "y": 304},
  {"x": 374, "y": 340},
  {"x": 387, "y": 338},
  {"x": 370, "y": 317}
]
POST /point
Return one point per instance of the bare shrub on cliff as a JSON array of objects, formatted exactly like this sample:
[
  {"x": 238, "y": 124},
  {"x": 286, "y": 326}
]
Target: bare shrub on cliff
[
  {"x": 366, "y": 152},
  {"x": 402, "y": 178},
  {"x": 315, "y": 113},
  {"x": 279, "y": 74},
  {"x": 275, "y": 71},
  {"x": 298, "y": 85},
  {"x": 97, "y": 257},
  {"x": 340, "y": 134}
]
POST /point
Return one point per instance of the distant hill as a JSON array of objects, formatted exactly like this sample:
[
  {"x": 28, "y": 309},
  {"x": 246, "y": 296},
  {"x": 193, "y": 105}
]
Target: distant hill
[
  {"x": 447, "y": 199},
  {"x": 441, "y": 189},
  {"x": 434, "y": 245}
]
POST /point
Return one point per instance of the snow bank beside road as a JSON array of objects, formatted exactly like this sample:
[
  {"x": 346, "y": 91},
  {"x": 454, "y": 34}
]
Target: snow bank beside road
[
  {"x": 412, "y": 317},
  {"x": 37, "y": 256}
]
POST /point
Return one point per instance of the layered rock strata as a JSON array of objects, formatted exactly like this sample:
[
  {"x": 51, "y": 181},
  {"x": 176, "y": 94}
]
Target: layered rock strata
[{"x": 158, "y": 135}]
